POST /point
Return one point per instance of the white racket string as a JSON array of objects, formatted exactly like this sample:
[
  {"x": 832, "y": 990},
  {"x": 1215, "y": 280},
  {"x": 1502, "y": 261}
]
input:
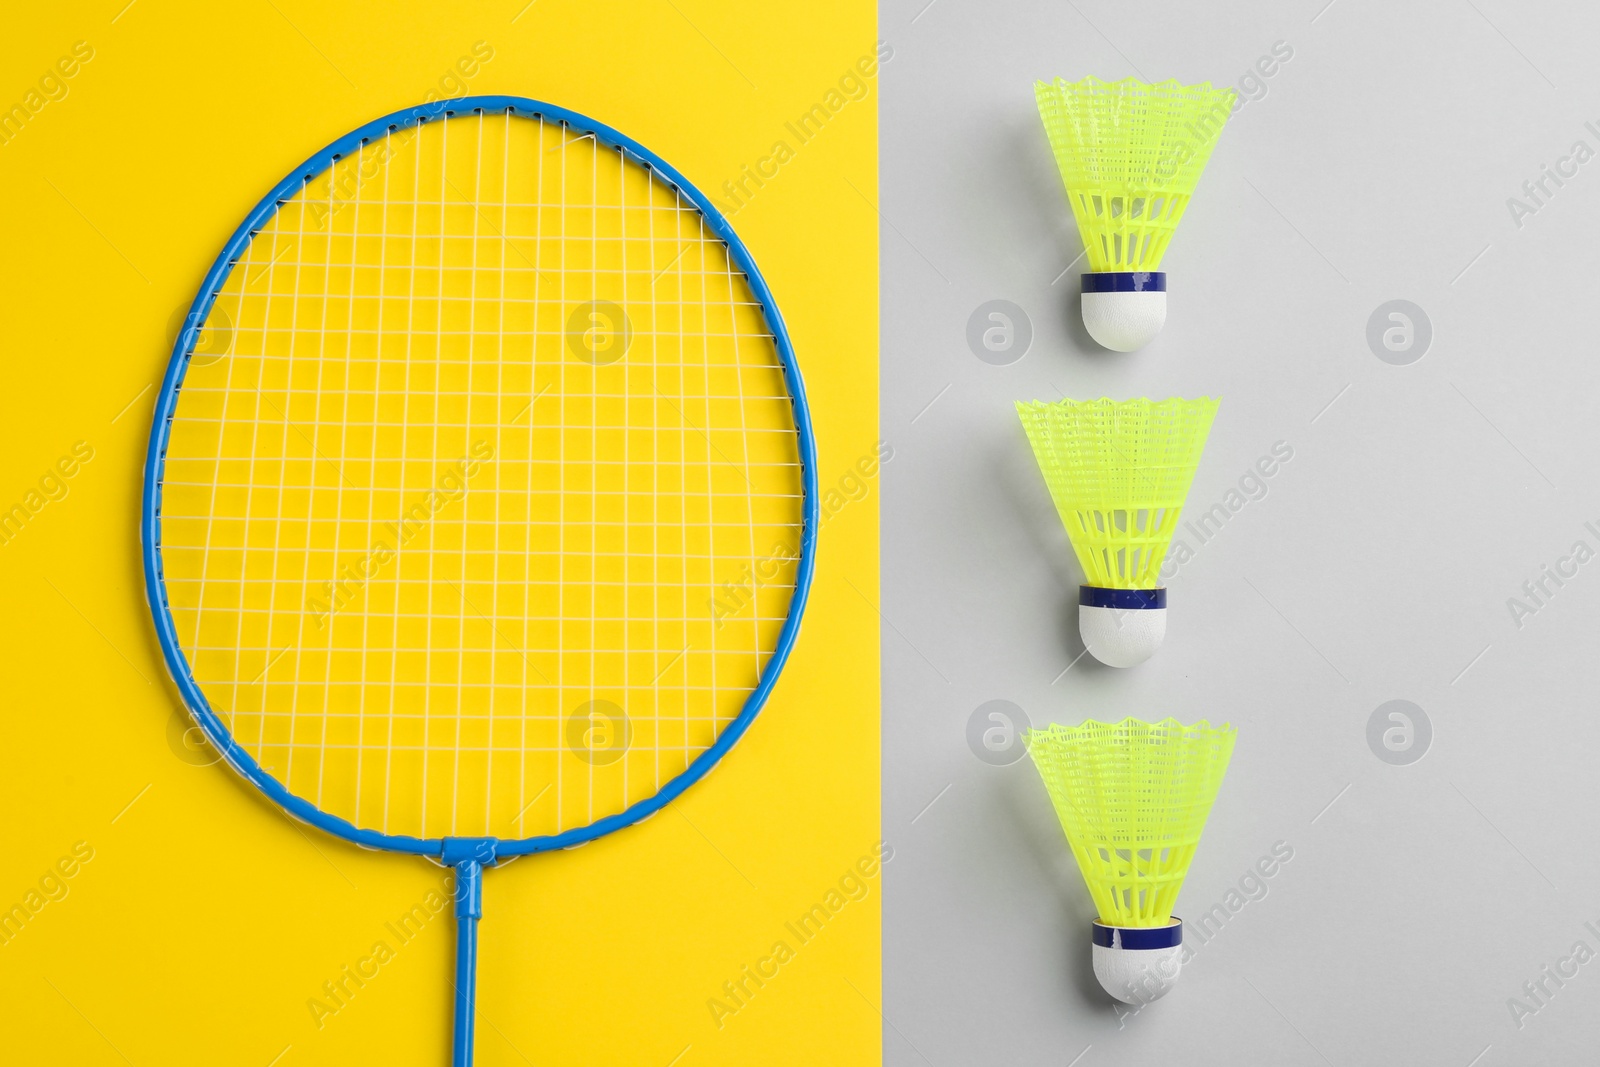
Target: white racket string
[{"x": 489, "y": 518}]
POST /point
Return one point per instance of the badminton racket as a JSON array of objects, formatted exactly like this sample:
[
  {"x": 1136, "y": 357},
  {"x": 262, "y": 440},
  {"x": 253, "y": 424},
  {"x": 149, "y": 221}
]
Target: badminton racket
[{"x": 480, "y": 506}]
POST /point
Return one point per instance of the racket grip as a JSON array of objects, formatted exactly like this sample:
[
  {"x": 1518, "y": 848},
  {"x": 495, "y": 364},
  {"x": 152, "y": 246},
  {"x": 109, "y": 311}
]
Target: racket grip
[{"x": 469, "y": 908}]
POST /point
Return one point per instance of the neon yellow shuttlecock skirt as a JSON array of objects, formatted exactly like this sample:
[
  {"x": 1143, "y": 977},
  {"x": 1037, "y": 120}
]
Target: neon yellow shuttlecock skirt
[
  {"x": 1130, "y": 155},
  {"x": 1118, "y": 471},
  {"x": 1133, "y": 798}
]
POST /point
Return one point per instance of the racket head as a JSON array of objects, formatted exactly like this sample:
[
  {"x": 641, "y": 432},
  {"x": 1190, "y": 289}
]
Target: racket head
[{"x": 239, "y": 755}]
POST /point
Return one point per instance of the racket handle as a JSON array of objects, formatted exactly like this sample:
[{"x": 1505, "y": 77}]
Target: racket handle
[{"x": 469, "y": 908}]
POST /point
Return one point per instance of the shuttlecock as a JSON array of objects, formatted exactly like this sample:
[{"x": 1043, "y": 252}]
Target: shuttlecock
[
  {"x": 1133, "y": 798},
  {"x": 1118, "y": 471},
  {"x": 1130, "y": 155}
]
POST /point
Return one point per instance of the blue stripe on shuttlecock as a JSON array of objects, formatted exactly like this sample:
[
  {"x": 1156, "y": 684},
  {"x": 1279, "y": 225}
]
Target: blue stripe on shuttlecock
[
  {"x": 1092, "y": 596},
  {"x": 1126, "y": 281},
  {"x": 1139, "y": 937}
]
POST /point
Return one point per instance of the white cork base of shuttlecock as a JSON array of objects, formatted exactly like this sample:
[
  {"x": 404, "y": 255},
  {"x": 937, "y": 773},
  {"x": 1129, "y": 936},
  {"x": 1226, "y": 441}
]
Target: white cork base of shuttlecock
[
  {"x": 1124, "y": 321},
  {"x": 1138, "y": 975},
  {"x": 1121, "y": 636}
]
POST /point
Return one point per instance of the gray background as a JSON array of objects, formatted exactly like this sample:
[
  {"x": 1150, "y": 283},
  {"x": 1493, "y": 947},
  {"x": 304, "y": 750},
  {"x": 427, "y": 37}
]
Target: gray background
[{"x": 1378, "y": 566}]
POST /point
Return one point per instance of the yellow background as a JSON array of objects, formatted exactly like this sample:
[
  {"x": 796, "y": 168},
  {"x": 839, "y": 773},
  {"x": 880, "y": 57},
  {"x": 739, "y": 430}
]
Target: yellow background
[{"x": 206, "y": 919}]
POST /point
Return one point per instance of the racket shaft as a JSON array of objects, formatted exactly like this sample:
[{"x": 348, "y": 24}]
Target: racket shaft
[{"x": 469, "y": 908}]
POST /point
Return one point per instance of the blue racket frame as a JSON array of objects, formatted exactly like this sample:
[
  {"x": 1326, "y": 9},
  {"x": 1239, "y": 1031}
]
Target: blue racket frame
[{"x": 467, "y": 855}]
